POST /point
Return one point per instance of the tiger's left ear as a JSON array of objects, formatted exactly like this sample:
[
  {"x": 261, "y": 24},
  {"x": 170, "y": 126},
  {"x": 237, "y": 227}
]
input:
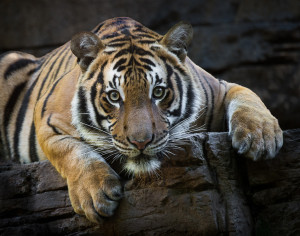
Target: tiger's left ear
[
  {"x": 85, "y": 46},
  {"x": 178, "y": 38}
]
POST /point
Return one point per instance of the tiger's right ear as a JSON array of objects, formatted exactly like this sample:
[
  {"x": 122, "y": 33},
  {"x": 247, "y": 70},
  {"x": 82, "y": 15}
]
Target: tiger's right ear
[
  {"x": 85, "y": 46},
  {"x": 178, "y": 38}
]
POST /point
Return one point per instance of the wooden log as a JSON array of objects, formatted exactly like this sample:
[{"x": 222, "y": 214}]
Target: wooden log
[{"x": 209, "y": 191}]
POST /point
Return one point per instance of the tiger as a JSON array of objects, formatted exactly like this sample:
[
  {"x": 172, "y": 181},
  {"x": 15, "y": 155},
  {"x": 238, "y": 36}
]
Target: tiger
[{"x": 125, "y": 94}]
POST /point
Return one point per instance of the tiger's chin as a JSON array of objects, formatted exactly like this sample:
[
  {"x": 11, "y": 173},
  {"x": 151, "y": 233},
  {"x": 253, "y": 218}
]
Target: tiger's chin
[{"x": 142, "y": 164}]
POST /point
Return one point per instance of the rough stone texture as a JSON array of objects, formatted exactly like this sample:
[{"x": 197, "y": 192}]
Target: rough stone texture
[
  {"x": 252, "y": 42},
  {"x": 209, "y": 192}
]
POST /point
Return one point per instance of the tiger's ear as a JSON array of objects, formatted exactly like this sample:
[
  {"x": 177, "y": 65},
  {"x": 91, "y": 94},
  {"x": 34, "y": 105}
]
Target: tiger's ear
[
  {"x": 178, "y": 38},
  {"x": 85, "y": 46}
]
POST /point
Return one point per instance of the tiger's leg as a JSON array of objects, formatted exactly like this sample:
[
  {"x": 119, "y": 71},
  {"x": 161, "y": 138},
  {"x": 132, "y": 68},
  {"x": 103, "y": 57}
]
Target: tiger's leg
[
  {"x": 94, "y": 187},
  {"x": 255, "y": 132}
]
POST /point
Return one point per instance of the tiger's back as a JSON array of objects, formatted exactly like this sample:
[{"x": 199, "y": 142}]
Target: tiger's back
[{"x": 23, "y": 80}]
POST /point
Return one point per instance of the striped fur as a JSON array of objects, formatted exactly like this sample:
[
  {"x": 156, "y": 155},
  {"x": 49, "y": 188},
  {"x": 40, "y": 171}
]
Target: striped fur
[{"x": 121, "y": 93}]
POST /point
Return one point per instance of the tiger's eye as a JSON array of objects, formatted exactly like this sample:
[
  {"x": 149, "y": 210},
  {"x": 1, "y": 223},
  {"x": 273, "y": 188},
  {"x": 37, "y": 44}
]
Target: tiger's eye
[
  {"x": 114, "y": 96},
  {"x": 158, "y": 92}
]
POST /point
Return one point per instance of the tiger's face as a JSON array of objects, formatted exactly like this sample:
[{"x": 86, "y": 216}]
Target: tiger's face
[{"x": 132, "y": 99}]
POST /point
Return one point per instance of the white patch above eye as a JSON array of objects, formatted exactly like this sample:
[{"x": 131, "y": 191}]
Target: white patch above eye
[
  {"x": 153, "y": 81},
  {"x": 109, "y": 49},
  {"x": 110, "y": 74},
  {"x": 156, "y": 46}
]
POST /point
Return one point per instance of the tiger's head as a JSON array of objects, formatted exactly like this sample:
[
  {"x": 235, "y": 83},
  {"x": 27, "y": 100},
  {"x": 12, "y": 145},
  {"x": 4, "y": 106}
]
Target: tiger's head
[{"x": 135, "y": 99}]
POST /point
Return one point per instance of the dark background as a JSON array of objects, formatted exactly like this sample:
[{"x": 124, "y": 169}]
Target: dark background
[{"x": 255, "y": 43}]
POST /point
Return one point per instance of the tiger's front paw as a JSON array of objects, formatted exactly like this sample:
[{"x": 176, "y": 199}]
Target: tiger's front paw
[
  {"x": 255, "y": 134},
  {"x": 95, "y": 192}
]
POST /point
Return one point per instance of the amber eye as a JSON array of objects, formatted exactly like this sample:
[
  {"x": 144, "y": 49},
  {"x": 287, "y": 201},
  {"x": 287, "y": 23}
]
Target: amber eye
[
  {"x": 114, "y": 96},
  {"x": 158, "y": 92}
]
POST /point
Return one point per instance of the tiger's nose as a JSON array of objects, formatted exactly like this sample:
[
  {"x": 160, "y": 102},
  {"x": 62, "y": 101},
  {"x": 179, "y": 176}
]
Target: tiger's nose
[{"x": 141, "y": 145}]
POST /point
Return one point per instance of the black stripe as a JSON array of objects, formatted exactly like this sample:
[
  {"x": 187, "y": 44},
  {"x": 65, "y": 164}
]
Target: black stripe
[
  {"x": 9, "y": 107},
  {"x": 141, "y": 29},
  {"x": 133, "y": 61},
  {"x": 99, "y": 117},
  {"x": 110, "y": 52},
  {"x": 121, "y": 53},
  {"x": 33, "y": 155},
  {"x": 115, "y": 81},
  {"x": 18, "y": 65},
  {"x": 91, "y": 75},
  {"x": 147, "y": 67},
  {"x": 51, "y": 68},
  {"x": 169, "y": 74},
  {"x": 177, "y": 112},
  {"x": 158, "y": 80},
  {"x": 147, "y": 61},
  {"x": 69, "y": 59},
  {"x": 127, "y": 75},
  {"x": 68, "y": 137},
  {"x": 172, "y": 99},
  {"x": 121, "y": 68},
  {"x": 120, "y": 21},
  {"x": 116, "y": 45},
  {"x": 212, "y": 105},
  {"x": 84, "y": 114},
  {"x": 119, "y": 63},
  {"x": 146, "y": 41},
  {"x": 82, "y": 108},
  {"x": 100, "y": 76},
  {"x": 190, "y": 101},
  {"x": 96, "y": 30},
  {"x": 111, "y": 85},
  {"x": 48, "y": 96},
  {"x": 142, "y": 52},
  {"x": 118, "y": 40},
  {"x": 45, "y": 79},
  {"x": 145, "y": 35},
  {"x": 38, "y": 78},
  {"x": 60, "y": 63},
  {"x": 20, "y": 119},
  {"x": 170, "y": 84},
  {"x": 113, "y": 124},
  {"x": 29, "y": 73},
  {"x": 181, "y": 70},
  {"x": 111, "y": 35},
  {"x": 52, "y": 126},
  {"x": 101, "y": 105},
  {"x": 204, "y": 89},
  {"x": 163, "y": 59}
]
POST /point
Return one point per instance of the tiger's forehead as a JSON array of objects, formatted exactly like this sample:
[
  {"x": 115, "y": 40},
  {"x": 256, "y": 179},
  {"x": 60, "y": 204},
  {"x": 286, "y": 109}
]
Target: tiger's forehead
[
  {"x": 130, "y": 74},
  {"x": 129, "y": 56}
]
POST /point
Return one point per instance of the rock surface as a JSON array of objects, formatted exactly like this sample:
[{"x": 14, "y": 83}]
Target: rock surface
[
  {"x": 209, "y": 192},
  {"x": 251, "y": 42}
]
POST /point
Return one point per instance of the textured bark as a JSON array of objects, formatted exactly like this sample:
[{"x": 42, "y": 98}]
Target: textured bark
[{"x": 209, "y": 192}]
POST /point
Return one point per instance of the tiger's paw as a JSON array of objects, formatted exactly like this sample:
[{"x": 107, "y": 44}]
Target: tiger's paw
[
  {"x": 95, "y": 193},
  {"x": 256, "y": 135}
]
